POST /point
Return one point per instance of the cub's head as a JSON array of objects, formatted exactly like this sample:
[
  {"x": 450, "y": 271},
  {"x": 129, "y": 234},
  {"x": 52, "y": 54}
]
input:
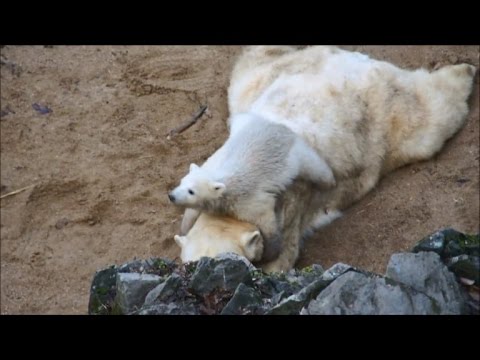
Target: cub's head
[
  {"x": 196, "y": 187},
  {"x": 213, "y": 235}
]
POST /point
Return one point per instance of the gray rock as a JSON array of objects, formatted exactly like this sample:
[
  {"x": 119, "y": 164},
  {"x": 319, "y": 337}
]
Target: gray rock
[
  {"x": 354, "y": 293},
  {"x": 449, "y": 243},
  {"x": 425, "y": 272},
  {"x": 452, "y": 249},
  {"x": 168, "y": 309},
  {"x": 236, "y": 257},
  {"x": 156, "y": 266},
  {"x": 335, "y": 271},
  {"x": 434, "y": 242},
  {"x": 132, "y": 289},
  {"x": 466, "y": 266},
  {"x": 276, "y": 286},
  {"x": 219, "y": 273},
  {"x": 462, "y": 244},
  {"x": 103, "y": 291},
  {"x": 275, "y": 299},
  {"x": 294, "y": 303},
  {"x": 279, "y": 286},
  {"x": 229, "y": 284},
  {"x": 164, "y": 291},
  {"x": 132, "y": 266},
  {"x": 245, "y": 300},
  {"x": 304, "y": 276}
]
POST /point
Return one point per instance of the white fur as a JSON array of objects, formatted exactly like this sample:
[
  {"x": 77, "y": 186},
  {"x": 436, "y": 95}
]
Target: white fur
[
  {"x": 323, "y": 219},
  {"x": 244, "y": 177},
  {"x": 213, "y": 235},
  {"x": 363, "y": 117}
]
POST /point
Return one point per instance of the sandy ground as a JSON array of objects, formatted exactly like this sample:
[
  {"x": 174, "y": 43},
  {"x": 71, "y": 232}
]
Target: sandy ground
[{"x": 100, "y": 165}]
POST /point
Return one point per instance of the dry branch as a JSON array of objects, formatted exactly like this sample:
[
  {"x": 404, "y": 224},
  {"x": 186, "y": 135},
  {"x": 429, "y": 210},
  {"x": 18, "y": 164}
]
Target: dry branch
[
  {"x": 17, "y": 191},
  {"x": 185, "y": 126}
]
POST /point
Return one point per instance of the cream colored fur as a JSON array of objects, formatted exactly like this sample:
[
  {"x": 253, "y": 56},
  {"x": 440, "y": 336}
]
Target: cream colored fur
[
  {"x": 298, "y": 213},
  {"x": 212, "y": 235},
  {"x": 243, "y": 178},
  {"x": 364, "y": 117}
]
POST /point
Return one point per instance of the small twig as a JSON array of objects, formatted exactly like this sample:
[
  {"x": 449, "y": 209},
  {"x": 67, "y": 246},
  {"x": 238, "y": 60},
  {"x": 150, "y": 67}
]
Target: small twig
[
  {"x": 17, "y": 191},
  {"x": 185, "y": 126}
]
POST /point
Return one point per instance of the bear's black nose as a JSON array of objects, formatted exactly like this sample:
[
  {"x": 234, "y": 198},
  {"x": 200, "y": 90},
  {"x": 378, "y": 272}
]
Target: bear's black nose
[{"x": 171, "y": 197}]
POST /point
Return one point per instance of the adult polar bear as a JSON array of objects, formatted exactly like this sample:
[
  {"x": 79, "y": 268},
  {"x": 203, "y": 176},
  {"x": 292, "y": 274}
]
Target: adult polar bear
[{"x": 364, "y": 117}]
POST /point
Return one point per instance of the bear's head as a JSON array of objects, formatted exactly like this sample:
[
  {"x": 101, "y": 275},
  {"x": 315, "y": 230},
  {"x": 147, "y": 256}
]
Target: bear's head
[
  {"x": 213, "y": 235},
  {"x": 196, "y": 188}
]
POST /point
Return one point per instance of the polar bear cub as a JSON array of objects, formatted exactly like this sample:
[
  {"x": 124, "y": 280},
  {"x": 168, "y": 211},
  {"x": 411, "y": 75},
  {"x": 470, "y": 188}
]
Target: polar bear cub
[
  {"x": 243, "y": 178},
  {"x": 213, "y": 235}
]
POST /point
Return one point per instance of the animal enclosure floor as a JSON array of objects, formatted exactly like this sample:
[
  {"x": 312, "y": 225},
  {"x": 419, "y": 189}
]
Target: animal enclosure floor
[{"x": 85, "y": 127}]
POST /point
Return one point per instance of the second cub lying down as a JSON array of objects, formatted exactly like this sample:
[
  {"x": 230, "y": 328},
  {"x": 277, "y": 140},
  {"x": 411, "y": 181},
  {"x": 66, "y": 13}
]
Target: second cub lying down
[
  {"x": 296, "y": 210},
  {"x": 215, "y": 234}
]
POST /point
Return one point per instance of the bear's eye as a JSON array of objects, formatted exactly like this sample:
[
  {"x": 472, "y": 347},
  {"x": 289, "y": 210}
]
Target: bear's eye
[{"x": 191, "y": 192}]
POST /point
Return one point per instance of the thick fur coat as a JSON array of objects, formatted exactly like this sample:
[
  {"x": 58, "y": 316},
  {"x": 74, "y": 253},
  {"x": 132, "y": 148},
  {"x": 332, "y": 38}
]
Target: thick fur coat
[{"x": 362, "y": 116}]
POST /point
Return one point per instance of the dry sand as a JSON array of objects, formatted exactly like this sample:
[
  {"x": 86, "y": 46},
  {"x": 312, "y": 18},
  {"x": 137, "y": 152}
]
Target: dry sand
[{"x": 102, "y": 165}]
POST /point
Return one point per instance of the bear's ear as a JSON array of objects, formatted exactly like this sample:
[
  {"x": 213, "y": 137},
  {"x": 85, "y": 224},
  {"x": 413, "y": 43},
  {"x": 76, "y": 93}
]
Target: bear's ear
[
  {"x": 180, "y": 240},
  {"x": 194, "y": 167},
  {"x": 251, "y": 241},
  {"x": 218, "y": 187}
]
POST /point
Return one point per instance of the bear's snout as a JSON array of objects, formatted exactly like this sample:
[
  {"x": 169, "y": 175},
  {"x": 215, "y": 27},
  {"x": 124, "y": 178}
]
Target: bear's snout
[{"x": 171, "y": 197}]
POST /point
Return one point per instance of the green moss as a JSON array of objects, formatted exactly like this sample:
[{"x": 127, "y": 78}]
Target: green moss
[
  {"x": 160, "y": 264},
  {"x": 190, "y": 267},
  {"x": 99, "y": 308},
  {"x": 101, "y": 291},
  {"x": 102, "y": 300},
  {"x": 277, "y": 275},
  {"x": 115, "y": 309},
  {"x": 469, "y": 240},
  {"x": 257, "y": 274},
  {"x": 307, "y": 269},
  {"x": 110, "y": 307},
  {"x": 96, "y": 306}
]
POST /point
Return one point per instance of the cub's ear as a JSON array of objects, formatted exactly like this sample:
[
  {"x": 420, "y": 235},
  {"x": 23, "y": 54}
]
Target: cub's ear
[
  {"x": 252, "y": 243},
  {"x": 251, "y": 239},
  {"x": 180, "y": 240},
  {"x": 194, "y": 167},
  {"x": 218, "y": 187}
]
